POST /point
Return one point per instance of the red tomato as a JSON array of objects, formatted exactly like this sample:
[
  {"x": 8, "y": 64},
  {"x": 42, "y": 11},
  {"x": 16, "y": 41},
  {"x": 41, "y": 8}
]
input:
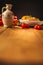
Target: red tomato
[
  {"x": 1, "y": 23},
  {"x": 39, "y": 27},
  {"x": 23, "y": 25},
  {"x": 36, "y": 26},
  {"x": 15, "y": 21},
  {"x": 26, "y": 25}
]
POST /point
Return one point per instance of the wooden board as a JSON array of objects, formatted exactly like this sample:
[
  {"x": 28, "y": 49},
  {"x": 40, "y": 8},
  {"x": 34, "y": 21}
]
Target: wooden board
[{"x": 21, "y": 45}]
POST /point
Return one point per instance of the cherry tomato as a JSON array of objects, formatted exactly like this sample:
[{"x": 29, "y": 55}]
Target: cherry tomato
[
  {"x": 23, "y": 26},
  {"x": 36, "y": 26},
  {"x": 27, "y": 25},
  {"x": 39, "y": 27},
  {"x": 1, "y": 23},
  {"x": 15, "y": 21}
]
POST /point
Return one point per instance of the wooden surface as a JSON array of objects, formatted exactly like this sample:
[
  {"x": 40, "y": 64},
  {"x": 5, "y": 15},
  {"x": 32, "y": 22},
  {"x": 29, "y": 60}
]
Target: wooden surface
[{"x": 21, "y": 45}]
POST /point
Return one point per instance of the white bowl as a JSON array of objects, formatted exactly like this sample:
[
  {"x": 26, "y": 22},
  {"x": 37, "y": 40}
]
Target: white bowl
[{"x": 31, "y": 22}]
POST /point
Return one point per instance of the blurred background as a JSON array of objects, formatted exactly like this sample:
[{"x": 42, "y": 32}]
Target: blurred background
[{"x": 25, "y": 7}]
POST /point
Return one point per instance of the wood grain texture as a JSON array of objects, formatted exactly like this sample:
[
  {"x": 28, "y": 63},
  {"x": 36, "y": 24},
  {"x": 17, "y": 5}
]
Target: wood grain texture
[{"x": 21, "y": 45}]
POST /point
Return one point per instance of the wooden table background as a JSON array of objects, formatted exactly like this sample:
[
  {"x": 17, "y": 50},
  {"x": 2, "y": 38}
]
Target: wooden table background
[{"x": 21, "y": 45}]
